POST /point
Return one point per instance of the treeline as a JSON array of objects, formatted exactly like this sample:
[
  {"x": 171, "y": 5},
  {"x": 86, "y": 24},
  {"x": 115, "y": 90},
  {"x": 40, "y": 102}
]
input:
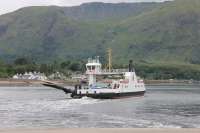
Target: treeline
[
  {"x": 154, "y": 71},
  {"x": 168, "y": 71},
  {"x": 144, "y": 70},
  {"x": 22, "y": 65}
]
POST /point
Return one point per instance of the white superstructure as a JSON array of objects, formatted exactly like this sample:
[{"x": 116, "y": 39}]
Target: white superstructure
[{"x": 129, "y": 84}]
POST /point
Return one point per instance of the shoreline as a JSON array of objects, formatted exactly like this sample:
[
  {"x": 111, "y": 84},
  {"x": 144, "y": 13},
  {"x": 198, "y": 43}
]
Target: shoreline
[
  {"x": 37, "y": 83},
  {"x": 100, "y": 130}
]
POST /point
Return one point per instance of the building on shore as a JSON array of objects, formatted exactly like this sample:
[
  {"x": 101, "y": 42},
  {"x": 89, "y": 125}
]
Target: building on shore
[
  {"x": 58, "y": 76},
  {"x": 30, "y": 76}
]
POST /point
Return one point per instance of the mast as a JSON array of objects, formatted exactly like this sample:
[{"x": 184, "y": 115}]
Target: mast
[{"x": 109, "y": 59}]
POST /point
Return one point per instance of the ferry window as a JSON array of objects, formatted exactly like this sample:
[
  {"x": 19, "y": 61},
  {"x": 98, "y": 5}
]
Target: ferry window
[
  {"x": 80, "y": 87},
  {"x": 93, "y": 67},
  {"x": 89, "y": 68}
]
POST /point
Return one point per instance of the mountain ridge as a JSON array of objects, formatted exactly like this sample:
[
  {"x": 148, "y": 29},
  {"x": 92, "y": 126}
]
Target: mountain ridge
[{"x": 156, "y": 32}]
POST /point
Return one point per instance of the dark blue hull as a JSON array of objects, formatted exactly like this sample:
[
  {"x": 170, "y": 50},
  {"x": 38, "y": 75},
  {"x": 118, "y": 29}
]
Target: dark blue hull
[{"x": 111, "y": 95}]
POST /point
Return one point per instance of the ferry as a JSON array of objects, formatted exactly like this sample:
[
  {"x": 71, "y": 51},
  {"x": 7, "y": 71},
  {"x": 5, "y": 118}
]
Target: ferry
[{"x": 129, "y": 86}]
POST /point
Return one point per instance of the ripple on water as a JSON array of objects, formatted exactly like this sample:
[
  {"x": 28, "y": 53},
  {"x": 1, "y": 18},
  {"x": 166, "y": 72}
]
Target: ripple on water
[{"x": 36, "y": 107}]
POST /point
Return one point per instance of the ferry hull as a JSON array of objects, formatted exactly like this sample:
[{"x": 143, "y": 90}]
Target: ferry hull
[{"x": 112, "y": 95}]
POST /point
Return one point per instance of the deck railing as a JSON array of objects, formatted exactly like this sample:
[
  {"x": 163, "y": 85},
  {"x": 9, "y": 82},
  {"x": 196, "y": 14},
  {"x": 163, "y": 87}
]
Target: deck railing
[{"x": 114, "y": 71}]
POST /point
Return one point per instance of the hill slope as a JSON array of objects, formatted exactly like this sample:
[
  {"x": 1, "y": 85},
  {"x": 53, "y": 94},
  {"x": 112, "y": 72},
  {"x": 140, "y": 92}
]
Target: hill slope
[
  {"x": 154, "y": 33},
  {"x": 107, "y": 11},
  {"x": 51, "y": 33},
  {"x": 169, "y": 33}
]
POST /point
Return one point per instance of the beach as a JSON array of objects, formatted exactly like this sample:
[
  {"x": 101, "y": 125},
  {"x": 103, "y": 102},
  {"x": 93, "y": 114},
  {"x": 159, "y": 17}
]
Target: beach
[{"x": 102, "y": 130}]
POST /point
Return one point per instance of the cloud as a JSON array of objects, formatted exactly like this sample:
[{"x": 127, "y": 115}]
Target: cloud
[{"x": 11, "y": 5}]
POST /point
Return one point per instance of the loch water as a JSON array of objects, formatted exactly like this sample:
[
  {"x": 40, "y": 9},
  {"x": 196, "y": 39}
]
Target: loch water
[{"x": 43, "y": 107}]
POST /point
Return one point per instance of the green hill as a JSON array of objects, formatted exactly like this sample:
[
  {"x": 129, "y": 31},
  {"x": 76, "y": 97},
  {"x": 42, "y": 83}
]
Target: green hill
[
  {"x": 53, "y": 33},
  {"x": 97, "y": 11},
  {"x": 169, "y": 33},
  {"x": 148, "y": 32}
]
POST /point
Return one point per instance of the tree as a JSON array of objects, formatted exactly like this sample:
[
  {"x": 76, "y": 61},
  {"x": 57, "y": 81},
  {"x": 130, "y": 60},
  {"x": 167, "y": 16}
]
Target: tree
[
  {"x": 21, "y": 61},
  {"x": 75, "y": 66},
  {"x": 65, "y": 64}
]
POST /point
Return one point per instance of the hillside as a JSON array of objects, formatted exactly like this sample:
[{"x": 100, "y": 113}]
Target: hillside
[
  {"x": 51, "y": 33},
  {"x": 148, "y": 32},
  {"x": 169, "y": 33},
  {"x": 107, "y": 11}
]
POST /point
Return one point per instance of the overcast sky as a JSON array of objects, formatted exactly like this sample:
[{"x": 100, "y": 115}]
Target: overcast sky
[{"x": 11, "y": 5}]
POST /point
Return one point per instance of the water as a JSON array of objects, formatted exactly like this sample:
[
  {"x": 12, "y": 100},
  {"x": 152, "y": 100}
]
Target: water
[{"x": 40, "y": 107}]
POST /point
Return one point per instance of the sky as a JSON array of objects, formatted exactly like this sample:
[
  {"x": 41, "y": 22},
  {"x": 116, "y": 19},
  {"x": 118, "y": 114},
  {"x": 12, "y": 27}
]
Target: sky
[{"x": 11, "y": 5}]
